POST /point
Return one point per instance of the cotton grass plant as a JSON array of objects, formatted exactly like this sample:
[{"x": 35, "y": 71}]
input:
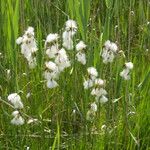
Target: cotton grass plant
[{"x": 74, "y": 75}]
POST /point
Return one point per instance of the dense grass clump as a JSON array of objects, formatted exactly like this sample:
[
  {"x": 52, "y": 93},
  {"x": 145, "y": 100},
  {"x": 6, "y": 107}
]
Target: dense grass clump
[{"x": 78, "y": 76}]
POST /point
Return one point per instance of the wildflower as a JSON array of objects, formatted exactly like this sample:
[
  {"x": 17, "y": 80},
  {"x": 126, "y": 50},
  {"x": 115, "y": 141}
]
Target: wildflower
[
  {"x": 103, "y": 99},
  {"x": 91, "y": 112},
  {"x": 28, "y": 46},
  {"x": 62, "y": 60},
  {"x": 109, "y": 51},
  {"x": 81, "y": 57},
  {"x": 98, "y": 92},
  {"x": 51, "y": 38},
  {"x": 51, "y": 84},
  {"x": 92, "y": 73},
  {"x": 94, "y": 107},
  {"x": 15, "y": 100},
  {"x": 99, "y": 82},
  {"x": 71, "y": 26},
  {"x": 51, "y": 66},
  {"x": 88, "y": 84},
  {"x": 80, "y": 46},
  {"x": 129, "y": 65},
  {"x": 51, "y": 45},
  {"x": 32, "y": 63},
  {"x": 70, "y": 30},
  {"x": 50, "y": 74},
  {"x": 126, "y": 72},
  {"x": 19, "y": 40},
  {"x": 17, "y": 120}
]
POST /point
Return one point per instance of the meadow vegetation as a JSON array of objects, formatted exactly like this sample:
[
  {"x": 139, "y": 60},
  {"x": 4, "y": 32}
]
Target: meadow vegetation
[{"x": 95, "y": 96}]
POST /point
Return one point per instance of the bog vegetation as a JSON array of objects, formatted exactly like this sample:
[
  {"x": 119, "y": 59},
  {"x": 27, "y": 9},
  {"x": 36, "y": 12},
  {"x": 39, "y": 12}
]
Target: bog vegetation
[{"x": 74, "y": 75}]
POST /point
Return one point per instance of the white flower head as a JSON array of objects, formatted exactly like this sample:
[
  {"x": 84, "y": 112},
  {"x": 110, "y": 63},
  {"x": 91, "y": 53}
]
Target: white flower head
[
  {"x": 70, "y": 30},
  {"x": 52, "y": 51},
  {"x": 52, "y": 38},
  {"x": 129, "y": 65},
  {"x": 80, "y": 46},
  {"x": 94, "y": 107},
  {"x": 67, "y": 40},
  {"x": 28, "y": 46},
  {"x": 125, "y": 74},
  {"x": 30, "y": 31},
  {"x": 17, "y": 120},
  {"x": 103, "y": 99},
  {"x": 52, "y": 84},
  {"x": 71, "y": 25},
  {"x": 88, "y": 84},
  {"x": 108, "y": 56},
  {"x": 81, "y": 57},
  {"x": 99, "y": 82},
  {"x": 107, "y": 44},
  {"x": 62, "y": 60},
  {"x": 19, "y": 40},
  {"x": 113, "y": 47},
  {"x": 92, "y": 72},
  {"x": 15, "y": 100},
  {"x": 51, "y": 66},
  {"x": 109, "y": 51},
  {"x": 98, "y": 92},
  {"x": 15, "y": 113}
]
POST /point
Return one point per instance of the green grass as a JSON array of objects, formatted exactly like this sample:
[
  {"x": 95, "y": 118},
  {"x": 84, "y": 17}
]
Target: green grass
[{"x": 124, "y": 21}]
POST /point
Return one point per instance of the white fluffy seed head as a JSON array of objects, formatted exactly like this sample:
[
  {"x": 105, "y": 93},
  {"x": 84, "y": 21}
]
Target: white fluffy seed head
[
  {"x": 107, "y": 44},
  {"x": 129, "y": 65},
  {"x": 15, "y": 113},
  {"x": 19, "y": 40},
  {"x": 103, "y": 99},
  {"x": 99, "y": 82},
  {"x": 62, "y": 52},
  {"x": 15, "y": 100},
  {"x": 51, "y": 65},
  {"x": 52, "y": 84},
  {"x": 67, "y": 39},
  {"x": 125, "y": 74},
  {"x": 17, "y": 120},
  {"x": 71, "y": 24},
  {"x": 29, "y": 31},
  {"x": 92, "y": 71},
  {"x": 94, "y": 107},
  {"x": 52, "y": 37},
  {"x": 80, "y": 46},
  {"x": 81, "y": 57},
  {"x": 113, "y": 47},
  {"x": 88, "y": 84},
  {"x": 98, "y": 92}
]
